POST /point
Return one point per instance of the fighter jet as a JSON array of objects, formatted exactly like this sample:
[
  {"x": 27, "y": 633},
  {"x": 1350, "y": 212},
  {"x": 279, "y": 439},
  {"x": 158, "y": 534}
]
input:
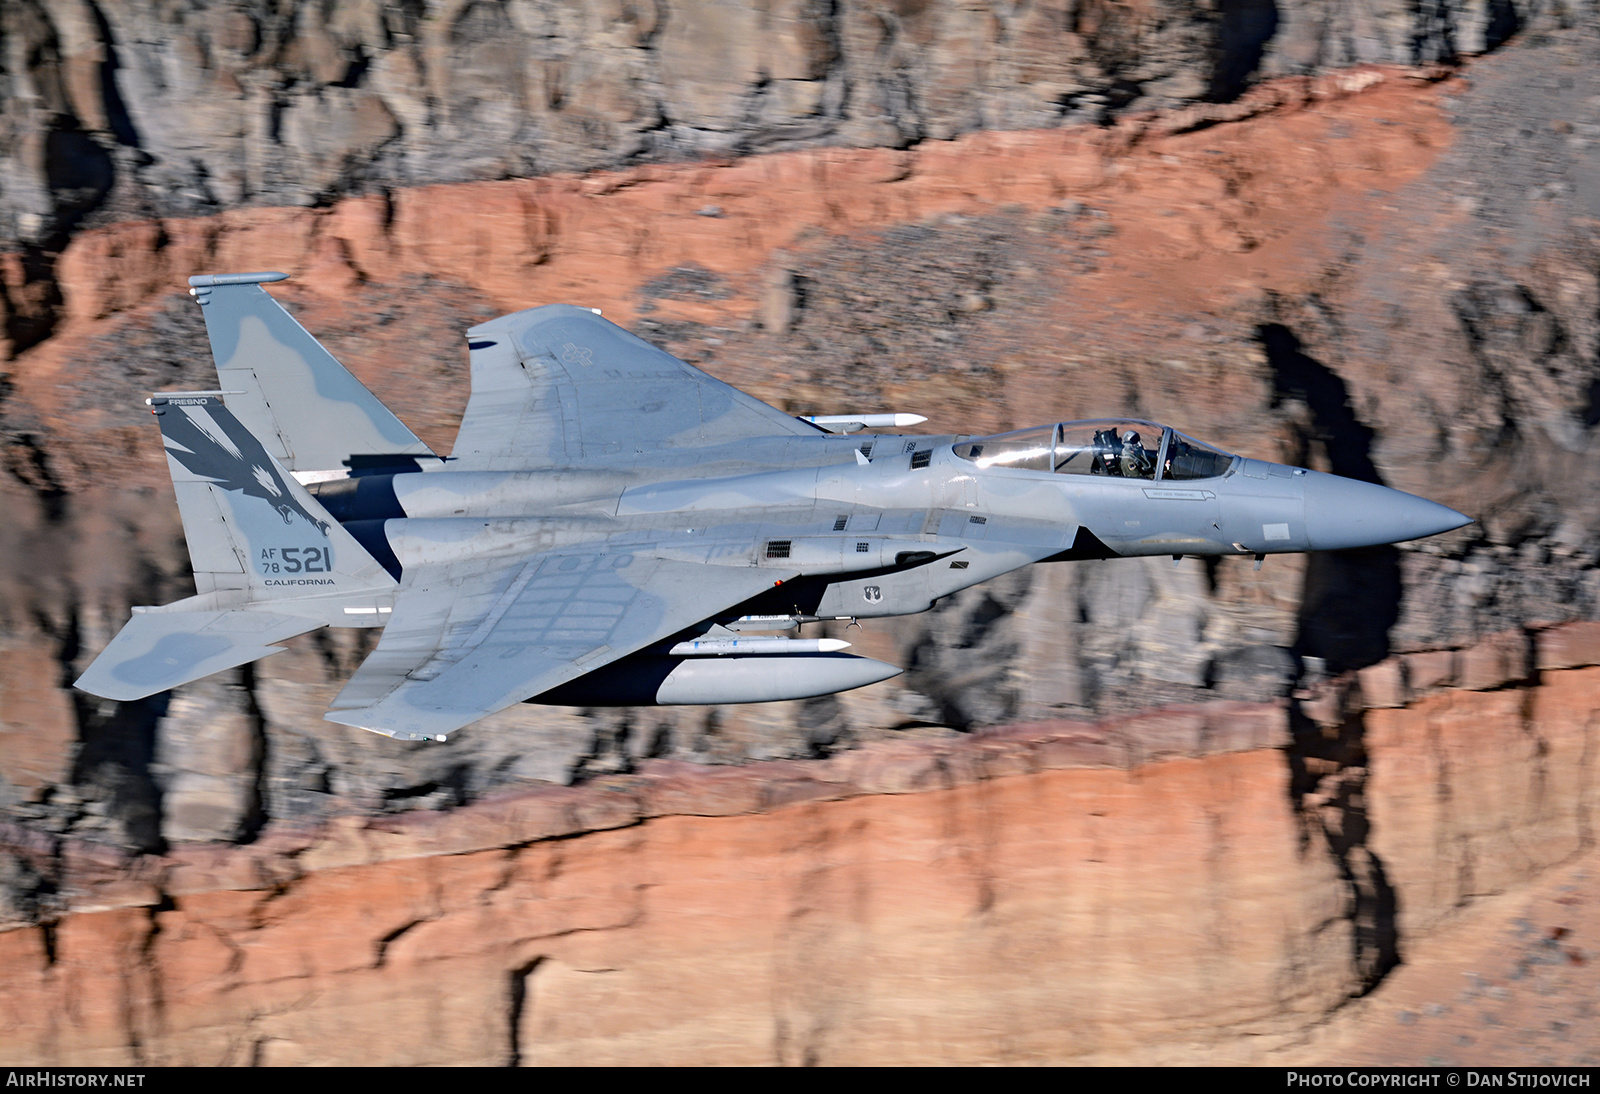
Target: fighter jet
[{"x": 616, "y": 527}]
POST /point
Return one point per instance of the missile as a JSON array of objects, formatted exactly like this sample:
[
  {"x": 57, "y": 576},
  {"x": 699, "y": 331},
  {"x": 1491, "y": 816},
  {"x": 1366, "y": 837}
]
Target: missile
[
  {"x": 768, "y": 622},
  {"x": 854, "y": 423},
  {"x": 768, "y": 646}
]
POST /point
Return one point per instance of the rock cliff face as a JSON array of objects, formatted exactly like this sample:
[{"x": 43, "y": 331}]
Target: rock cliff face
[
  {"x": 301, "y": 103},
  {"x": 289, "y": 102},
  {"x": 1386, "y": 272},
  {"x": 1029, "y": 894}
]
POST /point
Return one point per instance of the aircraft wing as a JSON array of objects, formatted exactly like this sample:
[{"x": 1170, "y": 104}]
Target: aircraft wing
[
  {"x": 462, "y": 645},
  {"x": 555, "y": 385}
]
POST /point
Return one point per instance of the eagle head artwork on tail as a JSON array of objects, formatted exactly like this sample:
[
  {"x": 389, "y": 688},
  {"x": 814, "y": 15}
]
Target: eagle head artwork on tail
[{"x": 218, "y": 448}]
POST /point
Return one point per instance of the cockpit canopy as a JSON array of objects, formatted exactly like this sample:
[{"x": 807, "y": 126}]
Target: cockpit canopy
[{"x": 1119, "y": 448}]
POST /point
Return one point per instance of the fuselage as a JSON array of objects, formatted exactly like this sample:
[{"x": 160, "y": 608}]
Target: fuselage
[{"x": 887, "y": 524}]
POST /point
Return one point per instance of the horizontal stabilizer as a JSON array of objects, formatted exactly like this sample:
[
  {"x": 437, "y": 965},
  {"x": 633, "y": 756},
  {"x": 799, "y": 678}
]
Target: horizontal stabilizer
[{"x": 158, "y": 650}]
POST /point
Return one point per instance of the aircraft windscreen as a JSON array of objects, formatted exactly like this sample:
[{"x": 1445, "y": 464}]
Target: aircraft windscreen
[
  {"x": 1026, "y": 448},
  {"x": 1120, "y": 449}
]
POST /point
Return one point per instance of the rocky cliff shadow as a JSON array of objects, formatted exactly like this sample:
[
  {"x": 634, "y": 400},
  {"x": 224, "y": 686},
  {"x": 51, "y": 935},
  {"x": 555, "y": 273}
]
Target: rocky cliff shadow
[
  {"x": 1348, "y": 604},
  {"x": 1350, "y": 599},
  {"x": 1328, "y": 773},
  {"x": 118, "y": 119},
  {"x": 29, "y": 305},
  {"x": 116, "y": 751},
  {"x": 1244, "y": 29}
]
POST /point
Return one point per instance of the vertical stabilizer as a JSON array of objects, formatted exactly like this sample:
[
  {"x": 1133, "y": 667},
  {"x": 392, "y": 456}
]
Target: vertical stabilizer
[
  {"x": 251, "y": 527},
  {"x": 307, "y": 408}
]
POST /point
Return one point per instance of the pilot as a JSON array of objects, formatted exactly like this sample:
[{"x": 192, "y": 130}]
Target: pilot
[{"x": 1136, "y": 461}]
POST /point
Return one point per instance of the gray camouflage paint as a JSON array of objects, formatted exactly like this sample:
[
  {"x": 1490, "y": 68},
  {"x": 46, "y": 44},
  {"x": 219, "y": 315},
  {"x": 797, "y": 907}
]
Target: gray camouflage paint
[{"x": 309, "y": 410}]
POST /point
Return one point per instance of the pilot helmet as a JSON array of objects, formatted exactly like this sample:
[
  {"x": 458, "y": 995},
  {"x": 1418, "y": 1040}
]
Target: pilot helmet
[{"x": 1131, "y": 437}]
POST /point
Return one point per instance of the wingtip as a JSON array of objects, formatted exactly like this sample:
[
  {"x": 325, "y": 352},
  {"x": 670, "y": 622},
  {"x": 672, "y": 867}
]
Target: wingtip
[{"x": 365, "y": 718}]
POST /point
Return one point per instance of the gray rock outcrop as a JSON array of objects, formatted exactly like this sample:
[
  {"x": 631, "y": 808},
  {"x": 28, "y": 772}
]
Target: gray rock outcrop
[{"x": 145, "y": 108}]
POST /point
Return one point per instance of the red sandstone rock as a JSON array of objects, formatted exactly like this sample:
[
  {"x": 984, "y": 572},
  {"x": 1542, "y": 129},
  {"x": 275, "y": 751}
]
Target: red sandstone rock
[
  {"x": 1156, "y": 893},
  {"x": 37, "y": 724},
  {"x": 1568, "y": 646},
  {"x": 1472, "y": 793},
  {"x": 1494, "y": 662},
  {"x": 1062, "y": 884},
  {"x": 1383, "y": 685},
  {"x": 1430, "y": 671}
]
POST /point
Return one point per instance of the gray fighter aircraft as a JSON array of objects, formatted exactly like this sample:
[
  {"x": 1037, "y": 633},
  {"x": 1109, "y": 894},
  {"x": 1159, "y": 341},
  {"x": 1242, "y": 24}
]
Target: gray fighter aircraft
[{"x": 614, "y": 527}]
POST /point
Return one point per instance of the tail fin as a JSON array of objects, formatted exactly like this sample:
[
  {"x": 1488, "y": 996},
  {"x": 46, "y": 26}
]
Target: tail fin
[
  {"x": 250, "y": 525},
  {"x": 306, "y": 407},
  {"x": 269, "y": 562}
]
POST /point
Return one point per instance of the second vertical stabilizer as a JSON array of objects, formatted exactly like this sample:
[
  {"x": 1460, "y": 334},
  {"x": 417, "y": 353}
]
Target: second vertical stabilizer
[{"x": 308, "y": 409}]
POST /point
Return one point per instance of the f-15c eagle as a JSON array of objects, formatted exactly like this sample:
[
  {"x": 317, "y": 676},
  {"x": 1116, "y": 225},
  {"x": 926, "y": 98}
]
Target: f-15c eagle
[{"x": 615, "y": 527}]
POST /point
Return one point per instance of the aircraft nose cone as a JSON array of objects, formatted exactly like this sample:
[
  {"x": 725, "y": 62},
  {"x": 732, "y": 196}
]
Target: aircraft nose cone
[{"x": 1343, "y": 513}]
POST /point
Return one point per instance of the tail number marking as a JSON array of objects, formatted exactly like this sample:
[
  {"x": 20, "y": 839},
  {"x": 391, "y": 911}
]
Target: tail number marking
[{"x": 296, "y": 560}]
